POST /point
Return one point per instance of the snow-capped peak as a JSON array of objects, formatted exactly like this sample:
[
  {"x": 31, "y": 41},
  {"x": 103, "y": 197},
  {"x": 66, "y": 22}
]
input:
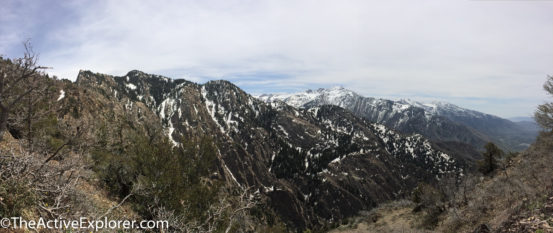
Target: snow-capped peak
[
  {"x": 444, "y": 108},
  {"x": 334, "y": 96},
  {"x": 343, "y": 97}
]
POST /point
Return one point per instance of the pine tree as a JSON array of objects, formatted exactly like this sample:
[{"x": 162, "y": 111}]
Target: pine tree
[
  {"x": 544, "y": 113},
  {"x": 489, "y": 163}
]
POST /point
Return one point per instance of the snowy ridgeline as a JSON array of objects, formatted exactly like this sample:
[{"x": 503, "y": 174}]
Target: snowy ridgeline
[{"x": 345, "y": 98}]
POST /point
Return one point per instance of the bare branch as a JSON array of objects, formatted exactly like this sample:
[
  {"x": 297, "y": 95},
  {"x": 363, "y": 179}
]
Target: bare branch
[{"x": 115, "y": 206}]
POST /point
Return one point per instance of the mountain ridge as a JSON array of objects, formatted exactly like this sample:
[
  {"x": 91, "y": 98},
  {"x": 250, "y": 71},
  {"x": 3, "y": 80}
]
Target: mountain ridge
[{"x": 439, "y": 121}]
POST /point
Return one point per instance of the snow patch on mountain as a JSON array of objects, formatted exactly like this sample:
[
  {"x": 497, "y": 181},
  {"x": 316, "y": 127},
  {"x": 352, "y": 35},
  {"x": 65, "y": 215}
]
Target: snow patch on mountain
[
  {"x": 62, "y": 95},
  {"x": 211, "y": 108},
  {"x": 166, "y": 110},
  {"x": 131, "y": 86},
  {"x": 335, "y": 95}
]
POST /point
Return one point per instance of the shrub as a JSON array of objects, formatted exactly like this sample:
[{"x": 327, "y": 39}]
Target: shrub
[
  {"x": 15, "y": 196},
  {"x": 430, "y": 200},
  {"x": 156, "y": 174}
]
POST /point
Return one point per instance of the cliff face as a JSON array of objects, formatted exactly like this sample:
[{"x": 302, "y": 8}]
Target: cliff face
[{"x": 313, "y": 166}]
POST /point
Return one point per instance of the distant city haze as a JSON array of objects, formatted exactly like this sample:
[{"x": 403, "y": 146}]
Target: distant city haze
[{"x": 490, "y": 56}]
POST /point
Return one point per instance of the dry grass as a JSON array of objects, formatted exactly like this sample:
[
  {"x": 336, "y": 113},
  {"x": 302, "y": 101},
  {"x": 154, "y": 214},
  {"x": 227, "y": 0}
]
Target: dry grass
[{"x": 393, "y": 217}]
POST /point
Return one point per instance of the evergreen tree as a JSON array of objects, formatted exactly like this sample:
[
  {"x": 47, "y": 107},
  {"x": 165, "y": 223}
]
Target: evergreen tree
[
  {"x": 544, "y": 113},
  {"x": 489, "y": 163}
]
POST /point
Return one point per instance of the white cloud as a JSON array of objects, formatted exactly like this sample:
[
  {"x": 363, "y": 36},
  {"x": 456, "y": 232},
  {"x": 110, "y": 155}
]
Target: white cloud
[{"x": 450, "y": 50}]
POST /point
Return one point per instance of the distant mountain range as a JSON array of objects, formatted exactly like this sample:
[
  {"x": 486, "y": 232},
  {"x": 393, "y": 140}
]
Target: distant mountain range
[
  {"x": 521, "y": 118},
  {"x": 444, "y": 123}
]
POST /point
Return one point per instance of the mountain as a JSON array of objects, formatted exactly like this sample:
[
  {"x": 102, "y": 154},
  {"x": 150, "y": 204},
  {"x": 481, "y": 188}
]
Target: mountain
[
  {"x": 521, "y": 118},
  {"x": 441, "y": 122},
  {"x": 527, "y": 123},
  {"x": 313, "y": 166}
]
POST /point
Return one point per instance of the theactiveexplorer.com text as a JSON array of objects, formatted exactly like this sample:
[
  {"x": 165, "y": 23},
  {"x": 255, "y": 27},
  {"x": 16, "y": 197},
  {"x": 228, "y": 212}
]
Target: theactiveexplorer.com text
[{"x": 81, "y": 224}]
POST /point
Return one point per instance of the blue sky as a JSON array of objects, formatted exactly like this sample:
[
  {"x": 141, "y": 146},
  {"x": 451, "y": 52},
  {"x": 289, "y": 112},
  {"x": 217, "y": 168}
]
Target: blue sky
[{"x": 491, "y": 56}]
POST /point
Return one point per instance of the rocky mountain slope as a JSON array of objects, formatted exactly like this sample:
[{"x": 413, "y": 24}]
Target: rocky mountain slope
[
  {"x": 438, "y": 121},
  {"x": 314, "y": 166}
]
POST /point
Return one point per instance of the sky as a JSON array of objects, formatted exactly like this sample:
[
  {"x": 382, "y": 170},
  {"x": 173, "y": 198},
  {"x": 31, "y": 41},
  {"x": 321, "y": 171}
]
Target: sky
[{"x": 489, "y": 55}]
